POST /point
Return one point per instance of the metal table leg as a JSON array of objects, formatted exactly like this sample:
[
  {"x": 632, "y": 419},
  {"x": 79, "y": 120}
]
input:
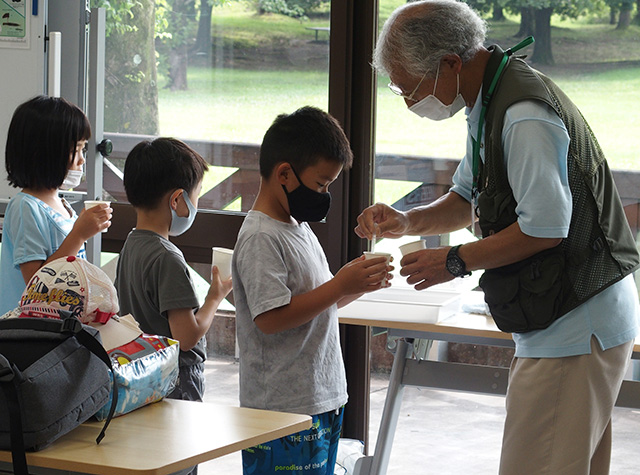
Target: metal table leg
[{"x": 391, "y": 410}]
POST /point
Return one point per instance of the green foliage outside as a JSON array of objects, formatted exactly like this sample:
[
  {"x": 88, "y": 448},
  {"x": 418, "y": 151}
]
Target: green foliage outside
[
  {"x": 598, "y": 66},
  {"x": 265, "y": 63}
]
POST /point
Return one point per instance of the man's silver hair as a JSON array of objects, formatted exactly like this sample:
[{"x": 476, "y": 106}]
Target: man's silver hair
[{"x": 418, "y": 34}]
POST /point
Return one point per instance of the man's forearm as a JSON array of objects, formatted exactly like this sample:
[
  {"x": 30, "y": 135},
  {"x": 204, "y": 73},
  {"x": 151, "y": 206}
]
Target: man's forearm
[{"x": 450, "y": 212}]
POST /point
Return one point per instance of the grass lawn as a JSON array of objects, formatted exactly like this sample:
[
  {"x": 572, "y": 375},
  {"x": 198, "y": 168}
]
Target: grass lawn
[
  {"x": 263, "y": 74},
  {"x": 239, "y": 105}
]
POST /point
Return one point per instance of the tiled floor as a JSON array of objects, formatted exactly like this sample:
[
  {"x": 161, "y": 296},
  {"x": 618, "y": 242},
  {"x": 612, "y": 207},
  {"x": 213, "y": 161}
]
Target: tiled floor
[{"x": 439, "y": 432}]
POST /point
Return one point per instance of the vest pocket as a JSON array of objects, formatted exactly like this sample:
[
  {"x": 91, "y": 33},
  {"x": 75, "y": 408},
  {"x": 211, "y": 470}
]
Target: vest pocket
[{"x": 527, "y": 295}]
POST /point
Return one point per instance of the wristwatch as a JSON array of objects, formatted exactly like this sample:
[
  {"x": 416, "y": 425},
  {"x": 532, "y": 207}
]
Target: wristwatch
[{"x": 455, "y": 264}]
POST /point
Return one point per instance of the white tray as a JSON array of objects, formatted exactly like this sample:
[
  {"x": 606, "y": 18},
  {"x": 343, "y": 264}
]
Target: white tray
[{"x": 404, "y": 304}]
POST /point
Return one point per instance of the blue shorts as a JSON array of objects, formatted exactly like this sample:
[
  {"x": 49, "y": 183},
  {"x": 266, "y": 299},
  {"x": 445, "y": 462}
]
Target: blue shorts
[{"x": 310, "y": 452}]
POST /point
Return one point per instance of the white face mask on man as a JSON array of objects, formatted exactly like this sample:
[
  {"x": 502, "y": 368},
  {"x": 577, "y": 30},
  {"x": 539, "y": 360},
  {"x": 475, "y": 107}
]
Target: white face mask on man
[{"x": 432, "y": 108}]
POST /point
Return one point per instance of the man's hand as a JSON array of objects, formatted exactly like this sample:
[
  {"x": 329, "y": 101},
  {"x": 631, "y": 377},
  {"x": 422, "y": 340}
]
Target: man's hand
[
  {"x": 426, "y": 268},
  {"x": 383, "y": 221}
]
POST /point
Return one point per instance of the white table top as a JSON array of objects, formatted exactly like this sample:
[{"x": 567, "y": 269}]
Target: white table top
[{"x": 467, "y": 324}]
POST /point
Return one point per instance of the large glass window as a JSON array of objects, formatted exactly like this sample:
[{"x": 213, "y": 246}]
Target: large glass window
[
  {"x": 593, "y": 56},
  {"x": 215, "y": 74}
]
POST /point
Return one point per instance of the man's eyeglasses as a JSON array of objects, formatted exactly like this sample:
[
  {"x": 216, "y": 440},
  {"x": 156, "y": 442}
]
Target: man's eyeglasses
[{"x": 397, "y": 90}]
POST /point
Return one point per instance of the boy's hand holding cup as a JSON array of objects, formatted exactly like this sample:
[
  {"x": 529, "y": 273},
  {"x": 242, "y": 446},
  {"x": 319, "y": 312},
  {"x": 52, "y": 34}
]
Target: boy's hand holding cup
[
  {"x": 221, "y": 285},
  {"x": 221, "y": 258},
  {"x": 386, "y": 255}
]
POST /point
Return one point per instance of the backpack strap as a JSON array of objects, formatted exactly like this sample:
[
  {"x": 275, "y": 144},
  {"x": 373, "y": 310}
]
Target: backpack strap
[
  {"x": 74, "y": 326},
  {"x": 8, "y": 384}
]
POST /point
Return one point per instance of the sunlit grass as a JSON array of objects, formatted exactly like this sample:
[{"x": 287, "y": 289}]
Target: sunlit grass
[{"x": 239, "y": 106}]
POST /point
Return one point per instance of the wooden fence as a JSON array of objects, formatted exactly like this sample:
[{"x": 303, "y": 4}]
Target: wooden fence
[{"x": 434, "y": 174}]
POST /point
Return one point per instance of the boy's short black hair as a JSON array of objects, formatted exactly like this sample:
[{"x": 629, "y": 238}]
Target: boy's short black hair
[
  {"x": 302, "y": 139},
  {"x": 156, "y": 167},
  {"x": 43, "y": 133}
]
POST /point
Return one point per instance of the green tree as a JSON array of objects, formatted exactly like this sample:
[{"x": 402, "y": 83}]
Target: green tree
[
  {"x": 178, "y": 18},
  {"x": 203, "y": 36},
  {"x": 542, "y": 12},
  {"x": 131, "y": 90},
  {"x": 623, "y": 8}
]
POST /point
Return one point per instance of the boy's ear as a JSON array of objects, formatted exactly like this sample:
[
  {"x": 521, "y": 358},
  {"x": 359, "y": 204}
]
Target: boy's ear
[
  {"x": 283, "y": 173},
  {"x": 173, "y": 198}
]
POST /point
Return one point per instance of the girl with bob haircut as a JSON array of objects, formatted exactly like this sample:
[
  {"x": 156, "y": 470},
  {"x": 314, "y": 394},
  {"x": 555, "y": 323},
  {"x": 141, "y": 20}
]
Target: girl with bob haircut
[{"x": 45, "y": 149}]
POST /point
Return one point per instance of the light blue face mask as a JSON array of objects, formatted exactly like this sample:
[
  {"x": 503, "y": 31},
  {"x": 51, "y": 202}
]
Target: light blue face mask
[{"x": 179, "y": 225}]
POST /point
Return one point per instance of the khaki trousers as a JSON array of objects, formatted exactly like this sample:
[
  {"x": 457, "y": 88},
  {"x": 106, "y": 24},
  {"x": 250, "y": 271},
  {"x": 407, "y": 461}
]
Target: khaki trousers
[{"x": 559, "y": 413}]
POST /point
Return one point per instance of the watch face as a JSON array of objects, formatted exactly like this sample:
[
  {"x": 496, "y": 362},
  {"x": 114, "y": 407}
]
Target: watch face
[{"x": 454, "y": 266}]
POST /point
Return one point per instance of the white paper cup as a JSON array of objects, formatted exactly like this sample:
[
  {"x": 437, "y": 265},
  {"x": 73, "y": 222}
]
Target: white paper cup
[
  {"x": 371, "y": 255},
  {"x": 412, "y": 247},
  {"x": 221, "y": 257},
  {"x": 91, "y": 203}
]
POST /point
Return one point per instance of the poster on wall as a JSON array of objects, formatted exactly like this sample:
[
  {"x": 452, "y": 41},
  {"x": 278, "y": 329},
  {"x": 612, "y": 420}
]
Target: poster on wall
[{"x": 14, "y": 24}]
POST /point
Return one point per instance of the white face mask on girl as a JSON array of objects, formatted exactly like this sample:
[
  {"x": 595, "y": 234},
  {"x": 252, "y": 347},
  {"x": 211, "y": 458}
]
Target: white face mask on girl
[
  {"x": 72, "y": 180},
  {"x": 432, "y": 108}
]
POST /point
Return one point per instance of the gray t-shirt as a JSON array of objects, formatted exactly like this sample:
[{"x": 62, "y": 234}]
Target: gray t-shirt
[
  {"x": 298, "y": 370},
  {"x": 153, "y": 278}
]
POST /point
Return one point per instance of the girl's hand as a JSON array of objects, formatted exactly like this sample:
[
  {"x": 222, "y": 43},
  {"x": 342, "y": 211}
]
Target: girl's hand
[{"x": 92, "y": 221}]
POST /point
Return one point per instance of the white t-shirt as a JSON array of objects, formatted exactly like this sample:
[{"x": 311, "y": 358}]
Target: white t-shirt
[{"x": 298, "y": 370}]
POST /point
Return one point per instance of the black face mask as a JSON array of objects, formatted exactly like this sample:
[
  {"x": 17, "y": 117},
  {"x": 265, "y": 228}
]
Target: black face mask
[{"x": 306, "y": 204}]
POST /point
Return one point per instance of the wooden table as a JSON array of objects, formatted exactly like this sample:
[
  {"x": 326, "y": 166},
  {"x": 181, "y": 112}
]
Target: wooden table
[
  {"x": 162, "y": 438},
  {"x": 407, "y": 337}
]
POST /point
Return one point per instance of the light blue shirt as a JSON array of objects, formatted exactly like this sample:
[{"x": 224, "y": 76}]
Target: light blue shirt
[
  {"x": 535, "y": 143},
  {"x": 32, "y": 231}
]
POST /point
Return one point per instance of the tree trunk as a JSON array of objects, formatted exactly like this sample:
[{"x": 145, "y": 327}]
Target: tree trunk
[
  {"x": 542, "y": 47},
  {"x": 178, "y": 62},
  {"x": 181, "y": 19},
  {"x": 636, "y": 20},
  {"x": 498, "y": 14},
  {"x": 526, "y": 22},
  {"x": 624, "y": 20},
  {"x": 203, "y": 38},
  {"x": 131, "y": 75},
  {"x": 613, "y": 13}
]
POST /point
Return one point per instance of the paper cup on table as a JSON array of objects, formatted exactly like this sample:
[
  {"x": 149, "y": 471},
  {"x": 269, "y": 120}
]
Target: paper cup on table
[
  {"x": 412, "y": 247},
  {"x": 91, "y": 203},
  {"x": 221, "y": 257},
  {"x": 371, "y": 255}
]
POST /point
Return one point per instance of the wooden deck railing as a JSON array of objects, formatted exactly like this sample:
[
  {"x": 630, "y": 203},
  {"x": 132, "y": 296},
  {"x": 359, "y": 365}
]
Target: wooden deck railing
[{"x": 434, "y": 174}]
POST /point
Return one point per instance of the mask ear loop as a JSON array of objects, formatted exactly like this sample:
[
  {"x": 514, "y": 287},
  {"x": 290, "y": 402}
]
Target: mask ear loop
[{"x": 435, "y": 84}]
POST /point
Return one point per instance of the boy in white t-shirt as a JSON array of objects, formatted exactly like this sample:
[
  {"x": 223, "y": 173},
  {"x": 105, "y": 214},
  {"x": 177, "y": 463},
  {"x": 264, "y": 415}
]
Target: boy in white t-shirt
[{"x": 287, "y": 298}]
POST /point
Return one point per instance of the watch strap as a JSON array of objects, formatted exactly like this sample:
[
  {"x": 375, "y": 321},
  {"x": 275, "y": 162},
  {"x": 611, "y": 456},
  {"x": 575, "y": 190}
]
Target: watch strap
[{"x": 455, "y": 265}]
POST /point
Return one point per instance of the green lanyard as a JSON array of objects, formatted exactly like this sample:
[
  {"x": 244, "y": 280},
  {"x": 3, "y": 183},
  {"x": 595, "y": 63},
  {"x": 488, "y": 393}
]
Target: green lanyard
[{"x": 485, "y": 102}]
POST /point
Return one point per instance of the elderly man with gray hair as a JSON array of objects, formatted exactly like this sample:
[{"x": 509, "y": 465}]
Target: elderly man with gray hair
[{"x": 556, "y": 249}]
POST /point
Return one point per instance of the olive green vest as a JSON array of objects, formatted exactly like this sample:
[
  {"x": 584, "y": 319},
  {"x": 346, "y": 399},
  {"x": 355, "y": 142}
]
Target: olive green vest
[{"x": 599, "y": 249}]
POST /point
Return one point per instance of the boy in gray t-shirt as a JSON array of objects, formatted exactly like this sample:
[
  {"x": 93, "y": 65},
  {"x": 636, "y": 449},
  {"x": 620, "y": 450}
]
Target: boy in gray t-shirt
[
  {"x": 163, "y": 179},
  {"x": 286, "y": 297}
]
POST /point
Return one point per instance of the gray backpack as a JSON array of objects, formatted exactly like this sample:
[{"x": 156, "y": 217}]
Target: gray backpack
[{"x": 54, "y": 375}]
